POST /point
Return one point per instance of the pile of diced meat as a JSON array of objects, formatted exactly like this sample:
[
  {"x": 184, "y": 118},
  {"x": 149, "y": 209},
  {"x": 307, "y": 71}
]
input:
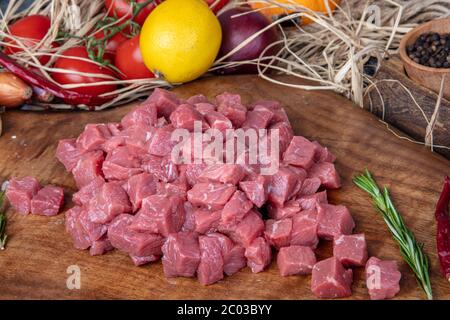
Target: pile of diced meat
[{"x": 208, "y": 221}]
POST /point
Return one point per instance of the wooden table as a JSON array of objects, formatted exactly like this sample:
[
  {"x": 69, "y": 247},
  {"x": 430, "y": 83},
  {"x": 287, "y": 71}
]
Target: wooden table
[{"x": 39, "y": 252}]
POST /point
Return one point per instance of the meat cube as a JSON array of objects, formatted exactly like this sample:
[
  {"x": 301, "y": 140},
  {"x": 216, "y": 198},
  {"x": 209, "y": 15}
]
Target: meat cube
[
  {"x": 278, "y": 232},
  {"x": 304, "y": 229},
  {"x": 161, "y": 143},
  {"x": 236, "y": 208},
  {"x": 48, "y": 201},
  {"x": 20, "y": 192},
  {"x": 162, "y": 168},
  {"x": 311, "y": 201},
  {"x": 233, "y": 254},
  {"x": 323, "y": 154},
  {"x": 205, "y": 108},
  {"x": 331, "y": 280},
  {"x": 139, "y": 187},
  {"x": 93, "y": 137},
  {"x": 382, "y": 278},
  {"x": 193, "y": 171},
  {"x": 86, "y": 193},
  {"x": 110, "y": 201},
  {"x": 198, "y": 98},
  {"x": 300, "y": 152},
  {"x": 327, "y": 174},
  {"x": 160, "y": 214},
  {"x": 212, "y": 195},
  {"x": 100, "y": 247},
  {"x": 231, "y": 107},
  {"x": 224, "y": 173},
  {"x": 310, "y": 186},
  {"x": 171, "y": 189},
  {"x": 181, "y": 255},
  {"x": 67, "y": 153},
  {"x": 268, "y": 104},
  {"x": 351, "y": 250},
  {"x": 295, "y": 260},
  {"x": 210, "y": 268},
  {"x": 94, "y": 230},
  {"x": 189, "y": 218},
  {"x": 258, "y": 119},
  {"x": 142, "y": 260},
  {"x": 185, "y": 117},
  {"x": 218, "y": 121},
  {"x": 256, "y": 190},
  {"x": 333, "y": 221},
  {"x": 258, "y": 254},
  {"x": 144, "y": 115},
  {"x": 132, "y": 242},
  {"x": 284, "y": 184},
  {"x": 288, "y": 210},
  {"x": 285, "y": 134},
  {"x": 206, "y": 221},
  {"x": 243, "y": 233},
  {"x": 166, "y": 102},
  {"x": 88, "y": 168},
  {"x": 80, "y": 238},
  {"x": 121, "y": 164}
]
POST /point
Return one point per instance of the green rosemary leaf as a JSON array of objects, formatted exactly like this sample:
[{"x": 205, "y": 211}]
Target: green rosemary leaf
[{"x": 410, "y": 249}]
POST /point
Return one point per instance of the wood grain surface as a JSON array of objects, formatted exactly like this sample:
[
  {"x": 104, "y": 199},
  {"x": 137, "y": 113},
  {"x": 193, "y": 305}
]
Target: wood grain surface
[{"x": 34, "y": 265}]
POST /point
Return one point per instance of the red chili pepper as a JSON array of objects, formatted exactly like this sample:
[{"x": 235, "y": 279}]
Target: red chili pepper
[
  {"x": 443, "y": 227},
  {"x": 34, "y": 79}
]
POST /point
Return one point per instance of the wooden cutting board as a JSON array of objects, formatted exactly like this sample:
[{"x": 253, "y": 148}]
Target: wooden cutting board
[{"x": 39, "y": 252}]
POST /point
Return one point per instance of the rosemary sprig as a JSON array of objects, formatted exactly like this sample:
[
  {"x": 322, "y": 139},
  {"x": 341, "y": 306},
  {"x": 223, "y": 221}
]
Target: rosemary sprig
[
  {"x": 410, "y": 249},
  {"x": 3, "y": 235}
]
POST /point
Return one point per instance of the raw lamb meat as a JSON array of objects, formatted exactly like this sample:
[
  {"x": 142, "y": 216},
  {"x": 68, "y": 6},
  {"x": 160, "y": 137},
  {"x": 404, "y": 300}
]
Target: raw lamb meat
[
  {"x": 382, "y": 278},
  {"x": 258, "y": 254},
  {"x": 181, "y": 255},
  {"x": 295, "y": 260},
  {"x": 20, "y": 192},
  {"x": 351, "y": 250},
  {"x": 331, "y": 280},
  {"x": 333, "y": 221},
  {"x": 48, "y": 201}
]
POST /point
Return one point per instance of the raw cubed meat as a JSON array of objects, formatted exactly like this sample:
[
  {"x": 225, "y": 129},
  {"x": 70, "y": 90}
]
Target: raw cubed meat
[
  {"x": 94, "y": 230},
  {"x": 258, "y": 254},
  {"x": 311, "y": 201},
  {"x": 331, "y": 280},
  {"x": 233, "y": 254},
  {"x": 304, "y": 229},
  {"x": 86, "y": 193},
  {"x": 278, "y": 232},
  {"x": 189, "y": 218},
  {"x": 141, "y": 260},
  {"x": 93, "y": 136},
  {"x": 224, "y": 173},
  {"x": 88, "y": 168},
  {"x": 382, "y": 278},
  {"x": 236, "y": 208},
  {"x": 166, "y": 102},
  {"x": 145, "y": 115},
  {"x": 210, "y": 268},
  {"x": 100, "y": 247},
  {"x": 20, "y": 192},
  {"x": 351, "y": 250},
  {"x": 285, "y": 134},
  {"x": 212, "y": 195},
  {"x": 198, "y": 98},
  {"x": 258, "y": 119},
  {"x": 255, "y": 190},
  {"x": 181, "y": 255},
  {"x": 115, "y": 128},
  {"x": 295, "y": 260},
  {"x": 161, "y": 143},
  {"x": 193, "y": 171},
  {"x": 48, "y": 201},
  {"x": 139, "y": 187},
  {"x": 231, "y": 107},
  {"x": 132, "y": 242},
  {"x": 205, "y": 108},
  {"x": 67, "y": 153},
  {"x": 333, "y": 221},
  {"x": 327, "y": 174},
  {"x": 288, "y": 210},
  {"x": 110, "y": 201},
  {"x": 121, "y": 164},
  {"x": 309, "y": 187},
  {"x": 300, "y": 152},
  {"x": 162, "y": 168},
  {"x": 160, "y": 214},
  {"x": 206, "y": 221},
  {"x": 171, "y": 189},
  {"x": 323, "y": 154},
  {"x": 80, "y": 238},
  {"x": 218, "y": 121},
  {"x": 243, "y": 233},
  {"x": 185, "y": 116},
  {"x": 283, "y": 185}
]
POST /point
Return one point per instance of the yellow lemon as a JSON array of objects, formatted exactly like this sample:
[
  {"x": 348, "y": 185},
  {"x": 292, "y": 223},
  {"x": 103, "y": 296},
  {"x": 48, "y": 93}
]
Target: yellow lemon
[{"x": 180, "y": 40}]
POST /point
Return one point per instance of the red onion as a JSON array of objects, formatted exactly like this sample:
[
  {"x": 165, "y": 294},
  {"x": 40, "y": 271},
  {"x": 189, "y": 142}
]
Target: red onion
[{"x": 236, "y": 30}]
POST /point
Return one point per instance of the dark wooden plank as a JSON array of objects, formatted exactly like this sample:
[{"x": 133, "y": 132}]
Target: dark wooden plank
[{"x": 39, "y": 251}]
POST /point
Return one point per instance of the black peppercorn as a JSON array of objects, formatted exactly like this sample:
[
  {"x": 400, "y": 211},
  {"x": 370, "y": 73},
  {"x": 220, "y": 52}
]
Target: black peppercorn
[{"x": 431, "y": 49}]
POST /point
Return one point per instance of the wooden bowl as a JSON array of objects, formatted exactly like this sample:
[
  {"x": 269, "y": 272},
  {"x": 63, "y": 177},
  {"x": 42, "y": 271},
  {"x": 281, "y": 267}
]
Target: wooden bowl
[{"x": 426, "y": 76}]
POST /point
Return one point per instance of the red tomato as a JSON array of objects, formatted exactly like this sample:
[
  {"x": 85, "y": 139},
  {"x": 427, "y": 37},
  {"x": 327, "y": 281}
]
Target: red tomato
[
  {"x": 220, "y": 4},
  {"x": 122, "y": 8},
  {"x": 31, "y": 30},
  {"x": 129, "y": 61},
  {"x": 113, "y": 43},
  {"x": 68, "y": 63}
]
